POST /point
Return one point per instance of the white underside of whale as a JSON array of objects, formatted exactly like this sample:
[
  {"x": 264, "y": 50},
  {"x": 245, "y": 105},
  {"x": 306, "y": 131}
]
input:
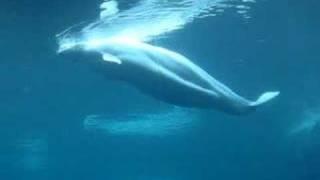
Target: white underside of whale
[{"x": 169, "y": 76}]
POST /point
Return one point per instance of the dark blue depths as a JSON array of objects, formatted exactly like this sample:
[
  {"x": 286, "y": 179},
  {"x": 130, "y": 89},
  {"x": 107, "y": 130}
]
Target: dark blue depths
[{"x": 45, "y": 97}]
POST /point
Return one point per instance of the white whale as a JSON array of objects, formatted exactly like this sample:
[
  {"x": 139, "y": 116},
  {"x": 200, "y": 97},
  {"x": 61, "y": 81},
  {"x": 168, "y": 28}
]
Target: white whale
[{"x": 168, "y": 76}]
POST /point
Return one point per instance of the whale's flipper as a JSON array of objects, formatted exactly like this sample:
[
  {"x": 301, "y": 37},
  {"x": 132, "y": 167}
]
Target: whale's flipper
[
  {"x": 265, "y": 97},
  {"x": 111, "y": 58},
  {"x": 108, "y": 8}
]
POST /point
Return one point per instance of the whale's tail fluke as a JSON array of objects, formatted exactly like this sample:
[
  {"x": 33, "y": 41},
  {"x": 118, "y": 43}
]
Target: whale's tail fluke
[{"x": 265, "y": 97}]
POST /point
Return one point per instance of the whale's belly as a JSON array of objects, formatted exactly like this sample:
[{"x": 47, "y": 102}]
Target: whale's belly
[{"x": 165, "y": 85}]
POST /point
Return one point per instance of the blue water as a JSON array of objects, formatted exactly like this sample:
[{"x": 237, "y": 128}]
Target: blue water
[{"x": 45, "y": 98}]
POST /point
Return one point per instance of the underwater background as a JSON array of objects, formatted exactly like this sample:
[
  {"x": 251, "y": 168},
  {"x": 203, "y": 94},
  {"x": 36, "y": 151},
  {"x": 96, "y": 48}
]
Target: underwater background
[{"x": 48, "y": 102}]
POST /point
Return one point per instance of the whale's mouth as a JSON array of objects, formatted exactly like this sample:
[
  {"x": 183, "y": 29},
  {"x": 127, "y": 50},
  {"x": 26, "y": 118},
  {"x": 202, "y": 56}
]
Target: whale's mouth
[{"x": 67, "y": 45}]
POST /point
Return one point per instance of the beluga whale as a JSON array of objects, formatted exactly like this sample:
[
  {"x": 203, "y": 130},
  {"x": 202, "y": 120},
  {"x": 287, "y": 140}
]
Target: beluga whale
[
  {"x": 121, "y": 39},
  {"x": 167, "y": 76}
]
